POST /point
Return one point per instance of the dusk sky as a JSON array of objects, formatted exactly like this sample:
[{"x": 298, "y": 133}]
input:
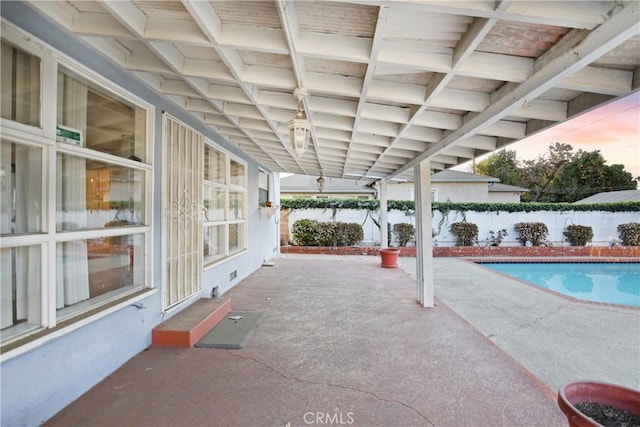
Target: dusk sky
[{"x": 613, "y": 129}]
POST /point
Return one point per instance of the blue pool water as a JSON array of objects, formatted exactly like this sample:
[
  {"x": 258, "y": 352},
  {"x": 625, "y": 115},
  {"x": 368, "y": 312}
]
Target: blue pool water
[{"x": 614, "y": 283}]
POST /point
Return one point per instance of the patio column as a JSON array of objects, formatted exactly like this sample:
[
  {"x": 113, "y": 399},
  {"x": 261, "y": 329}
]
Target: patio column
[
  {"x": 384, "y": 235},
  {"x": 424, "y": 245}
]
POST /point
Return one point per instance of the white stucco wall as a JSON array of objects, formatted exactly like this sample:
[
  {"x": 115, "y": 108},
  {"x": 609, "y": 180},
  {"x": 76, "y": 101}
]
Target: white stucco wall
[
  {"x": 604, "y": 224},
  {"x": 42, "y": 377}
]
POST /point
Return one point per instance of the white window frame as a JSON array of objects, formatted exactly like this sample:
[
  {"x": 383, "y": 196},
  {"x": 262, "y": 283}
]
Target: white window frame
[
  {"x": 269, "y": 186},
  {"x": 45, "y": 137},
  {"x": 228, "y": 187}
]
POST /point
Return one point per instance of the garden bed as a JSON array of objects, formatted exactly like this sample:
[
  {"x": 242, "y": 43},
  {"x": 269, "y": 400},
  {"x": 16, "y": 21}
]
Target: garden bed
[{"x": 476, "y": 251}]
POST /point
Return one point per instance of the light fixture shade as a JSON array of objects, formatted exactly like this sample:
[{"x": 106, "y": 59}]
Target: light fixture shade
[
  {"x": 320, "y": 182},
  {"x": 299, "y": 133}
]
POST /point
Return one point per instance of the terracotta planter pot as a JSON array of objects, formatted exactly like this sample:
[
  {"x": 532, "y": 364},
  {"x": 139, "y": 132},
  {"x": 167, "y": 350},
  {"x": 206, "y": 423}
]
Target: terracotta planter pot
[
  {"x": 389, "y": 257},
  {"x": 595, "y": 392}
]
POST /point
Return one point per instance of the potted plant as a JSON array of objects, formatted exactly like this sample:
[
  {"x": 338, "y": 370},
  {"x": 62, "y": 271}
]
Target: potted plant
[
  {"x": 591, "y": 403},
  {"x": 389, "y": 257}
]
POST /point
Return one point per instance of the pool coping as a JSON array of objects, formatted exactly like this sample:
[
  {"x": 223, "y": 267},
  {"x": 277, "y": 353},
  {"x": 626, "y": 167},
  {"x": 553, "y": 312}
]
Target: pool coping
[{"x": 546, "y": 260}]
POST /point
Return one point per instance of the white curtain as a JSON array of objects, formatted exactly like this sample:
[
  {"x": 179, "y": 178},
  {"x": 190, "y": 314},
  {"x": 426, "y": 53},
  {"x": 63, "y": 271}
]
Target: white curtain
[
  {"x": 72, "y": 281},
  {"x": 6, "y": 266},
  {"x": 28, "y": 181},
  {"x": 21, "y": 183}
]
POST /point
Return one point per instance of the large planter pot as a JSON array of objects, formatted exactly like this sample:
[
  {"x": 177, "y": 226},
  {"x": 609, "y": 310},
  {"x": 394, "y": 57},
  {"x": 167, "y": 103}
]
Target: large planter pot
[
  {"x": 613, "y": 395},
  {"x": 389, "y": 257}
]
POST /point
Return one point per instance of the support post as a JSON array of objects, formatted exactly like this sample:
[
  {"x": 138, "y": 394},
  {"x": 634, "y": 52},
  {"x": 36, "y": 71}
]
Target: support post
[
  {"x": 384, "y": 226},
  {"x": 424, "y": 238}
]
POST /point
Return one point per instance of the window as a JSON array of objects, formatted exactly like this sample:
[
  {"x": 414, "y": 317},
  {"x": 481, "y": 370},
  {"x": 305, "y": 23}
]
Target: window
[
  {"x": 225, "y": 210},
  {"x": 263, "y": 188},
  {"x": 94, "y": 166},
  {"x": 20, "y": 85},
  {"x": 106, "y": 124}
]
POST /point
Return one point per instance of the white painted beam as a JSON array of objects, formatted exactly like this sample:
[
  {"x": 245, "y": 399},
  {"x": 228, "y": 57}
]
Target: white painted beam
[
  {"x": 495, "y": 66},
  {"x": 464, "y": 100},
  {"x": 260, "y": 39},
  {"x": 385, "y": 112},
  {"x": 504, "y": 128},
  {"x": 420, "y": 133},
  {"x": 605, "y": 81},
  {"x": 128, "y": 14},
  {"x": 542, "y": 109},
  {"x": 556, "y": 67},
  {"x": 174, "y": 30},
  {"x": 340, "y": 107},
  {"x": 332, "y": 84},
  {"x": 416, "y": 60},
  {"x": 479, "y": 142},
  {"x": 378, "y": 127},
  {"x": 333, "y": 46},
  {"x": 396, "y": 92},
  {"x": 436, "y": 119}
]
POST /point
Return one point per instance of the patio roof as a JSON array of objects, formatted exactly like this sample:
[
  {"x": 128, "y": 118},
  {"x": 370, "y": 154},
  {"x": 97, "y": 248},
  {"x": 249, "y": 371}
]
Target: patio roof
[
  {"x": 307, "y": 184},
  {"x": 388, "y": 83}
]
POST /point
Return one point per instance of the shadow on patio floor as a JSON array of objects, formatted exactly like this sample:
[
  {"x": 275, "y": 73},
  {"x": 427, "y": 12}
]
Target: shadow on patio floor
[{"x": 343, "y": 341}]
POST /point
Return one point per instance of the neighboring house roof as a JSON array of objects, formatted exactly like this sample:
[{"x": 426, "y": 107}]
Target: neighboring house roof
[
  {"x": 450, "y": 175},
  {"x": 612, "y": 197},
  {"x": 505, "y": 188},
  {"x": 308, "y": 184}
]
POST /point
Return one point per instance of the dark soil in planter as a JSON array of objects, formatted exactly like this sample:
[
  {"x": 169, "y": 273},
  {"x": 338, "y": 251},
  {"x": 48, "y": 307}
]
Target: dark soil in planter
[{"x": 607, "y": 415}]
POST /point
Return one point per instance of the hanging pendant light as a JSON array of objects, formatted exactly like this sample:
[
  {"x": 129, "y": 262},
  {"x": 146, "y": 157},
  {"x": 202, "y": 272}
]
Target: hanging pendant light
[
  {"x": 299, "y": 127},
  {"x": 320, "y": 182}
]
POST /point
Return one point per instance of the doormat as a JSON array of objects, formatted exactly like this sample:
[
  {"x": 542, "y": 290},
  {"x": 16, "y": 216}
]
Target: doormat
[{"x": 234, "y": 331}]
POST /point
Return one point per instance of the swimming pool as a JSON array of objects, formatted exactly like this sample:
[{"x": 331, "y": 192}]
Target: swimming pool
[{"x": 613, "y": 283}]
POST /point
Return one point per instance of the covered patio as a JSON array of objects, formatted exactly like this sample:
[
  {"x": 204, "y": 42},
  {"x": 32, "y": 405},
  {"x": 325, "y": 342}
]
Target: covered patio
[
  {"x": 194, "y": 105},
  {"x": 342, "y": 340}
]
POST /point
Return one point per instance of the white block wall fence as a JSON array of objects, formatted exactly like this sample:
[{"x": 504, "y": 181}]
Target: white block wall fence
[{"x": 604, "y": 223}]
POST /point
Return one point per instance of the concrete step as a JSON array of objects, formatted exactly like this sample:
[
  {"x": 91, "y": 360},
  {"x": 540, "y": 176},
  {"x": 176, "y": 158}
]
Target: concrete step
[{"x": 187, "y": 327}]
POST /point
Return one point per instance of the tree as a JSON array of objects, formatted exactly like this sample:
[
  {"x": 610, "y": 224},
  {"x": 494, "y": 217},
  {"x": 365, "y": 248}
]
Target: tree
[
  {"x": 586, "y": 175},
  {"x": 502, "y": 165},
  {"x": 539, "y": 174}
]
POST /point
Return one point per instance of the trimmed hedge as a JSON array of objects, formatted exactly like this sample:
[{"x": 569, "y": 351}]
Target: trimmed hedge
[
  {"x": 466, "y": 233},
  {"x": 409, "y": 206},
  {"x": 404, "y": 232},
  {"x": 630, "y": 233},
  {"x": 309, "y": 232},
  {"x": 534, "y": 232},
  {"x": 578, "y": 235}
]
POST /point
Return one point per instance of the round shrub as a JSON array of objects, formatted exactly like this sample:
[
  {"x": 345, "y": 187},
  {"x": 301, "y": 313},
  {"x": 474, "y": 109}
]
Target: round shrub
[
  {"x": 404, "y": 232},
  {"x": 578, "y": 235},
  {"x": 305, "y": 231},
  {"x": 534, "y": 232},
  {"x": 630, "y": 233},
  {"x": 348, "y": 234},
  {"x": 309, "y": 232},
  {"x": 466, "y": 233}
]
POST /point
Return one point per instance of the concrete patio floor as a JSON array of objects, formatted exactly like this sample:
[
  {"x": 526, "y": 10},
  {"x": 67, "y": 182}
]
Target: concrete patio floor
[
  {"x": 343, "y": 341},
  {"x": 557, "y": 339}
]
